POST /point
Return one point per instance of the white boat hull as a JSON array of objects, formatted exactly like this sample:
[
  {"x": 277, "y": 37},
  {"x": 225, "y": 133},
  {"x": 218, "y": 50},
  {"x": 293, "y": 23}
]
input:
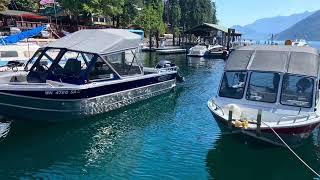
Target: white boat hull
[{"x": 292, "y": 134}]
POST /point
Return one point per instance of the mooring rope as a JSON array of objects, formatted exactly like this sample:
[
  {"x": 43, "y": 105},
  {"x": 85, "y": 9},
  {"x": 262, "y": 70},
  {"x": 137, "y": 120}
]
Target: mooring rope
[{"x": 291, "y": 149}]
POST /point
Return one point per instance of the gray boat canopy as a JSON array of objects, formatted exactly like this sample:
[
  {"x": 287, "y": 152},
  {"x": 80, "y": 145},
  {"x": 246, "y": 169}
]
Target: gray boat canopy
[
  {"x": 285, "y": 59},
  {"x": 99, "y": 41}
]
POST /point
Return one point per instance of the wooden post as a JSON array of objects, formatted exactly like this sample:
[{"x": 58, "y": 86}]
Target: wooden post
[
  {"x": 258, "y": 131},
  {"x": 228, "y": 39},
  {"x": 230, "y": 118},
  {"x": 150, "y": 40}
]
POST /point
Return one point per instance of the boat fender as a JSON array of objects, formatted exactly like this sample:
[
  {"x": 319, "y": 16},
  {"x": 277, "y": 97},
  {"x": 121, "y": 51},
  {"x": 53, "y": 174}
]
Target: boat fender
[
  {"x": 238, "y": 124},
  {"x": 236, "y": 110},
  {"x": 241, "y": 124}
]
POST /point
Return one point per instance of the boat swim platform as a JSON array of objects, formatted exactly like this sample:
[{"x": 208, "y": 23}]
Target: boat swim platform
[
  {"x": 217, "y": 55},
  {"x": 166, "y": 50}
]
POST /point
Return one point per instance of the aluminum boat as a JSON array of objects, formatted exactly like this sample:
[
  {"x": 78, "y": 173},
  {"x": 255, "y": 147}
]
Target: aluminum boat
[
  {"x": 86, "y": 73},
  {"x": 267, "y": 91}
]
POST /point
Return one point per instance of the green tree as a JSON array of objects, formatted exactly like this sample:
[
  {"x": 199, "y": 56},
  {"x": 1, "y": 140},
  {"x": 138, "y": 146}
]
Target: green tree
[
  {"x": 130, "y": 12},
  {"x": 214, "y": 13},
  {"x": 184, "y": 7},
  {"x": 200, "y": 12},
  {"x": 195, "y": 12},
  {"x": 106, "y": 8},
  {"x": 74, "y": 7},
  {"x": 4, "y": 4},
  {"x": 25, "y": 5},
  {"x": 174, "y": 16},
  {"x": 151, "y": 19}
]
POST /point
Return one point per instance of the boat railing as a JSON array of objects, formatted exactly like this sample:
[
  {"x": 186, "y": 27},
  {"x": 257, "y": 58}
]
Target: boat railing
[
  {"x": 294, "y": 119},
  {"x": 28, "y": 84},
  {"x": 168, "y": 69}
]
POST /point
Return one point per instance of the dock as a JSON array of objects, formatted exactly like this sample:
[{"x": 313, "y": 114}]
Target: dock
[
  {"x": 171, "y": 51},
  {"x": 166, "y": 50}
]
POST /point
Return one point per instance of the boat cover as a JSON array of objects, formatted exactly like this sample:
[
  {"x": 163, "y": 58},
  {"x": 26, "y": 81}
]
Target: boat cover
[
  {"x": 99, "y": 41},
  {"x": 23, "y": 35},
  {"x": 285, "y": 59}
]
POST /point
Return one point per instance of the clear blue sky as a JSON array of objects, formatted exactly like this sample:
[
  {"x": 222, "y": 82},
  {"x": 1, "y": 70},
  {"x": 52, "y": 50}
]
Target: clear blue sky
[{"x": 242, "y": 12}]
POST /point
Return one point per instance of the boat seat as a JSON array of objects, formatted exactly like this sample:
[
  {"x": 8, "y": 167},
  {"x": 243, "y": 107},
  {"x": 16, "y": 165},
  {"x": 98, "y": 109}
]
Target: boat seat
[{"x": 72, "y": 67}]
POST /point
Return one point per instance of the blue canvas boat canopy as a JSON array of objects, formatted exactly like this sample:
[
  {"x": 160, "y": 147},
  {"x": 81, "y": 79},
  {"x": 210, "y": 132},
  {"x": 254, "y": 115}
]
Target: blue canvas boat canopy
[
  {"x": 285, "y": 59},
  {"x": 23, "y": 35},
  {"x": 99, "y": 41}
]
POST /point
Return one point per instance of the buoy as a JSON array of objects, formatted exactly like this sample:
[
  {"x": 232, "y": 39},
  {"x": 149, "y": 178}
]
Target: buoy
[{"x": 238, "y": 124}]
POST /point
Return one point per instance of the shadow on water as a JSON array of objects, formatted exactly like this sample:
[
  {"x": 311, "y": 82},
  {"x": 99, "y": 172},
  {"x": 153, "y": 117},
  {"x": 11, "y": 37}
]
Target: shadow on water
[
  {"x": 57, "y": 149},
  {"x": 236, "y": 156}
]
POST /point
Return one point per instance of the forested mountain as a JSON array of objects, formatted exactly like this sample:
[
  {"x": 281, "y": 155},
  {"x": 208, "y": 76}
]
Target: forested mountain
[
  {"x": 308, "y": 28},
  {"x": 263, "y": 28}
]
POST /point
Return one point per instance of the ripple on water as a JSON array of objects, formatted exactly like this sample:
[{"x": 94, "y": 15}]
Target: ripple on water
[{"x": 172, "y": 136}]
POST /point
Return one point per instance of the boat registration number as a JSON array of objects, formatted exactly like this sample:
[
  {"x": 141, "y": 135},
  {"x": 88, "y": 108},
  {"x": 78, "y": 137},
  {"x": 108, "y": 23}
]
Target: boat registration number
[{"x": 62, "y": 92}]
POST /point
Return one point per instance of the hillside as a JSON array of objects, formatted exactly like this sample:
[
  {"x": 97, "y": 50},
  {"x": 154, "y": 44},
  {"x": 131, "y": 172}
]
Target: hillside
[
  {"x": 308, "y": 28},
  {"x": 263, "y": 28}
]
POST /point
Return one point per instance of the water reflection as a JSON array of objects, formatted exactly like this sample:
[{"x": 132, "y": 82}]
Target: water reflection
[
  {"x": 103, "y": 143},
  {"x": 241, "y": 157},
  {"x": 4, "y": 129},
  {"x": 200, "y": 62}
]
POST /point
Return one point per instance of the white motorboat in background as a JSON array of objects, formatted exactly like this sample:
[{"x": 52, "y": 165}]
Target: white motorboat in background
[
  {"x": 300, "y": 42},
  {"x": 201, "y": 50},
  {"x": 15, "y": 56},
  {"x": 265, "y": 88},
  {"x": 198, "y": 50},
  {"x": 13, "y": 53}
]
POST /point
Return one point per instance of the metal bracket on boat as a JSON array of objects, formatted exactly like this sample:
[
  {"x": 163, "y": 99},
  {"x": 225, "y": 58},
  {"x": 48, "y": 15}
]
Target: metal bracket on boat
[
  {"x": 230, "y": 118},
  {"x": 258, "y": 130}
]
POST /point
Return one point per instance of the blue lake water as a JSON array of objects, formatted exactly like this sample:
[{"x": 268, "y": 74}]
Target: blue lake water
[{"x": 172, "y": 136}]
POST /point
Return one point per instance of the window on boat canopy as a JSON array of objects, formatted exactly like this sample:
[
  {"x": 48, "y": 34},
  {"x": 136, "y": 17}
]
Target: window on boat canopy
[
  {"x": 45, "y": 60},
  {"x": 263, "y": 87},
  {"x": 71, "y": 65},
  {"x": 101, "y": 71},
  {"x": 8, "y": 54},
  {"x": 233, "y": 84},
  {"x": 297, "y": 91},
  {"x": 125, "y": 63},
  {"x": 79, "y": 60}
]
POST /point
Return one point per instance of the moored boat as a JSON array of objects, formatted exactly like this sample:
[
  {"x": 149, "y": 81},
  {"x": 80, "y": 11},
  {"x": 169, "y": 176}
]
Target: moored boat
[
  {"x": 268, "y": 91},
  {"x": 300, "y": 42},
  {"x": 86, "y": 73},
  {"x": 14, "y": 57},
  {"x": 198, "y": 50}
]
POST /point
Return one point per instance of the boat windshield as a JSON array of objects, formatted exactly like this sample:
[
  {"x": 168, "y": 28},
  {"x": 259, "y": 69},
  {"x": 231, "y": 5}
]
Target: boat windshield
[
  {"x": 233, "y": 84},
  {"x": 125, "y": 63},
  {"x": 59, "y": 65},
  {"x": 263, "y": 87},
  {"x": 297, "y": 91},
  {"x": 45, "y": 61}
]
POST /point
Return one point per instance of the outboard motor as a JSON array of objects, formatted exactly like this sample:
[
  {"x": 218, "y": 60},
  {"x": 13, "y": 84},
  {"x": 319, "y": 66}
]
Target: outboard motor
[{"x": 165, "y": 64}]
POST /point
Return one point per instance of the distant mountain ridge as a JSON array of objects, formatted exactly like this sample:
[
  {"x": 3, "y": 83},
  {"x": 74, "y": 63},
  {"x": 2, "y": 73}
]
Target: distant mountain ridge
[
  {"x": 263, "y": 28},
  {"x": 308, "y": 28}
]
